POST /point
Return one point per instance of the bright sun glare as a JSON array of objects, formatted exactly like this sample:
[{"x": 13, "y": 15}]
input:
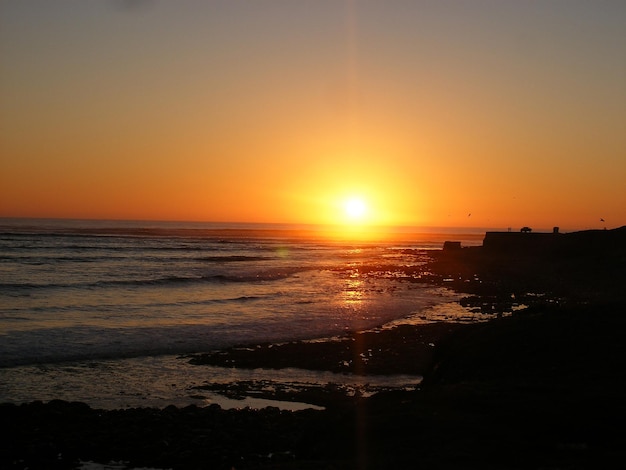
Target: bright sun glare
[{"x": 355, "y": 208}]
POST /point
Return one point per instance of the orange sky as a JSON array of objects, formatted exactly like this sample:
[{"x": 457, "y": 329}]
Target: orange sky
[{"x": 272, "y": 111}]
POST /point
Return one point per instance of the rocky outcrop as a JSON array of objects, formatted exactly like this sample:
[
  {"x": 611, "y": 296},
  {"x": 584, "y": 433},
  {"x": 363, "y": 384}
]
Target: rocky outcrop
[{"x": 583, "y": 243}]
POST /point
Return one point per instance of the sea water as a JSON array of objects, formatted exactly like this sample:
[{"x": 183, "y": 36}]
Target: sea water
[{"x": 101, "y": 311}]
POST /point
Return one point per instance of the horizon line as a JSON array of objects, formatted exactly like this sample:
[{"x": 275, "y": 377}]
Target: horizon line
[{"x": 225, "y": 225}]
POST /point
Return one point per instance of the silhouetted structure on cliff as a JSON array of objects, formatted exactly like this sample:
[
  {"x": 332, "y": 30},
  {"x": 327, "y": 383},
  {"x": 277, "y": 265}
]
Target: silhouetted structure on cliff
[
  {"x": 589, "y": 264},
  {"x": 587, "y": 242}
]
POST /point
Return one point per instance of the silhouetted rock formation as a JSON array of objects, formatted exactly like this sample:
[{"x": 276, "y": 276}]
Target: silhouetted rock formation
[
  {"x": 451, "y": 246},
  {"x": 588, "y": 242},
  {"x": 579, "y": 265}
]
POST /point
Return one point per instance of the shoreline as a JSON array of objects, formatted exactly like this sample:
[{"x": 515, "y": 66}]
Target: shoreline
[
  {"x": 538, "y": 387},
  {"x": 543, "y": 386}
]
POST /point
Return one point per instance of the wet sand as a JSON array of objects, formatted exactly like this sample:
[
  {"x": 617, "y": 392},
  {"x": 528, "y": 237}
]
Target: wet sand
[{"x": 539, "y": 388}]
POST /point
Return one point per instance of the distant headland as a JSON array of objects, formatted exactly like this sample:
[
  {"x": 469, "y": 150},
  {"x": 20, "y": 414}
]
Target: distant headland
[
  {"x": 552, "y": 244},
  {"x": 581, "y": 265}
]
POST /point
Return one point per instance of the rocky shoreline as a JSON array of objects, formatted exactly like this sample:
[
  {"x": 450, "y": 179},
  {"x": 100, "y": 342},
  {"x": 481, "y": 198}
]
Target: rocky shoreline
[{"x": 537, "y": 388}]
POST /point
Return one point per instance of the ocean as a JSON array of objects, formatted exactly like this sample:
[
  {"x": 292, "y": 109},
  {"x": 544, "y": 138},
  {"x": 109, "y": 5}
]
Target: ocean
[{"x": 104, "y": 312}]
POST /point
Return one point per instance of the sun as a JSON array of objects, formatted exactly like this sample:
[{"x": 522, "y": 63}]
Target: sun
[{"x": 355, "y": 209}]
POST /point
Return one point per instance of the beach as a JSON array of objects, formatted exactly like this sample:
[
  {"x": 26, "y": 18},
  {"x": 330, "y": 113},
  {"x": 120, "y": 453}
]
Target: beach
[
  {"x": 498, "y": 404},
  {"x": 536, "y": 387},
  {"x": 277, "y": 234}
]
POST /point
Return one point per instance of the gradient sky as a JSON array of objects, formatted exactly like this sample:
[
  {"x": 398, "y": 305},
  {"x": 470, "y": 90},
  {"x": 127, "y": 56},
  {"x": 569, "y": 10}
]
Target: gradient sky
[{"x": 277, "y": 111}]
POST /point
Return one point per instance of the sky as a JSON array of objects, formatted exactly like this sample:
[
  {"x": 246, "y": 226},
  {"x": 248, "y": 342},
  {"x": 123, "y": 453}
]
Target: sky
[{"x": 501, "y": 113}]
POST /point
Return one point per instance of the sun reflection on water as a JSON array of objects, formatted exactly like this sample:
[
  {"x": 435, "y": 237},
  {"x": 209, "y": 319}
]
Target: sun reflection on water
[{"x": 354, "y": 292}]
